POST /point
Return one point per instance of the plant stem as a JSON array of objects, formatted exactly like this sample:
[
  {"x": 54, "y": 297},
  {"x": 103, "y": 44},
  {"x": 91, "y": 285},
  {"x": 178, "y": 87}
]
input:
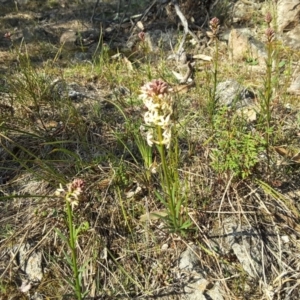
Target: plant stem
[
  {"x": 171, "y": 204},
  {"x": 215, "y": 77},
  {"x": 212, "y": 93},
  {"x": 267, "y": 98},
  {"x": 72, "y": 245}
]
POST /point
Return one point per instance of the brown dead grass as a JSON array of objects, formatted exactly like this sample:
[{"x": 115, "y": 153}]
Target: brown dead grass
[{"x": 125, "y": 258}]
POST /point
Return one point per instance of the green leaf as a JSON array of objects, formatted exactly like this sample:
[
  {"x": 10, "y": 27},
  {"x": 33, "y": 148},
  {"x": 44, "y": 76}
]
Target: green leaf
[
  {"x": 83, "y": 227},
  {"x": 281, "y": 63},
  {"x": 68, "y": 258},
  {"x": 186, "y": 224},
  {"x": 61, "y": 235},
  {"x": 161, "y": 199},
  {"x": 154, "y": 215},
  {"x": 68, "y": 152},
  {"x": 177, "y": 208},
  {"x": 83, "y": 267}
]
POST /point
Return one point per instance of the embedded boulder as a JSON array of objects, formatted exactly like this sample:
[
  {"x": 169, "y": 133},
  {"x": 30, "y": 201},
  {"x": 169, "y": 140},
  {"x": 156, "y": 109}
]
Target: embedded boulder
[{"x": 288, "y": 19}]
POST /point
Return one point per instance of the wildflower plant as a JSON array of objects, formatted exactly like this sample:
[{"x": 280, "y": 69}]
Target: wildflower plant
[
  {"x": 158, "y": 120},
  {"x": 71, "y": 194},
  {"x": 267, "y": 94},
  {"x": 143, "y": 46}
]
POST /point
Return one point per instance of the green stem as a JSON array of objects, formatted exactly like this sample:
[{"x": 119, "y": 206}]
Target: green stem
[
  {"x": 215, "y": 79},
  {"x": 268, "y": 95},
  {"x": 171, "y": 204},
  {"x": 72, "y": 245},
  {"x": 215, "y": 73}
]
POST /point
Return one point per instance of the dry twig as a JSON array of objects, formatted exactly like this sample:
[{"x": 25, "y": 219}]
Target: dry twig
[{"x": 185, "y": 26}]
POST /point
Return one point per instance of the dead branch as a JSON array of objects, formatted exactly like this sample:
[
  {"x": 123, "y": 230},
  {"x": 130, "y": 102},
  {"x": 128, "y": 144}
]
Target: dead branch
[{"x": 185, "y": 26}]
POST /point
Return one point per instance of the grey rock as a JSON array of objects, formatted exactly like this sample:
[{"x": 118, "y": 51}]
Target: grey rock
[
  {"x": 288, "y": 20},
  {"x": 288, "y": 12},
  {"x": 198, "y": 288},
  {"x": 215, "y": 292},
  {"x": 243, "y": 45},
  {"x": 74, "y": 95},
  {"x": 292, "y": 38},
  {"x": 246, "y": 259},
  {"x": 62, "y": 89},
  {"x": 295, "y": 85},
  {"x": 188, "y": 259},
  {"x": 202, "y": 289},
  {"x": 245, "y": 242},
  {"x": 31, "y": 262},
  {"x": 231, "y": 93}
]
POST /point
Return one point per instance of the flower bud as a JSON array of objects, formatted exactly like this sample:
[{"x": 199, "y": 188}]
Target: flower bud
[
  {"x": 155, "y": 88},
  {"x": 268, "y": 18},
  {"x": 214, "y": 25},
  {"x": 141, "y": 36},
  {"x": 214, "y": 22},
  {"x": 77, "y": 185},
  {"x": 270, "y": 34}
]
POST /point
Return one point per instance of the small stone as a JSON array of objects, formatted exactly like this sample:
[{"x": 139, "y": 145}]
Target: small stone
[
  {"x": 73, "y": 95},
  {"x": 196, "y": 289},
  {"x": 188, "y": 259},
  {"x": 164, "y": 247},
  {"x": 285, "y": 239},
  {"x": 231, "y": 93},
  {"x": 25, "y": 286},
  {"x": 215, "y": 292},
  {"x": 295, "y": 85}
]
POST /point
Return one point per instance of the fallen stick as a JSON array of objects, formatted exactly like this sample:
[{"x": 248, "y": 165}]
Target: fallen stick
[{"x": 185, "y": 27}]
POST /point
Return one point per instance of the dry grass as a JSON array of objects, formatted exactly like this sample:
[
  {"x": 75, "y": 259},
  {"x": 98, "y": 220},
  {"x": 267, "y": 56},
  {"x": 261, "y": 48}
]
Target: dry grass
[{"x": 48, "y": 138}]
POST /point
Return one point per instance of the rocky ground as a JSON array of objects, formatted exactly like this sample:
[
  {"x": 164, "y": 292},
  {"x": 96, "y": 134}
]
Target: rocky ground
[{"x": 247, "y": 240}]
